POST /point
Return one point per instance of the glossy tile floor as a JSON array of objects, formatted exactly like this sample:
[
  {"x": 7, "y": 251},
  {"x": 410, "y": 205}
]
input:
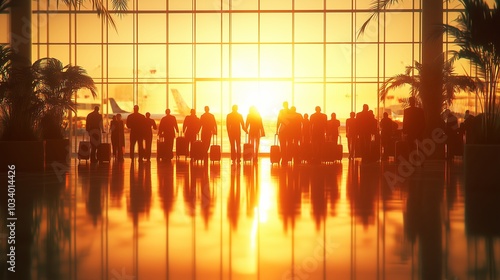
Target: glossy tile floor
[{"x": 182, "y": 221}]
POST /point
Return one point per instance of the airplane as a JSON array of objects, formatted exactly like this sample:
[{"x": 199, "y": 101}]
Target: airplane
[{"x": 182, "y": 108}]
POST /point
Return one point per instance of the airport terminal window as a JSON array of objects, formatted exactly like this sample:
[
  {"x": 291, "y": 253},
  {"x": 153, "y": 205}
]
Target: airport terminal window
[{"x": 268, "y": 48}]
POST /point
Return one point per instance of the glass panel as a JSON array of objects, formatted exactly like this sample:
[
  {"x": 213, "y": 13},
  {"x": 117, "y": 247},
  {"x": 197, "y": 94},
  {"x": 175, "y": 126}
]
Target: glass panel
[
  {"x": 59, "y": 29},
  {"x": 276, "y": 27},
  {"x": 337, "y": 5},
  {"x": 307, "y": 97},
  {"x": 88, "y": 28},
  {"x": 180, "y": 96},
  {"x": 398, "y": 27},
  {"x": 152, "y": 5},
  {"x": 152, "y": 98},
  {"x": 180, "y": 5},
  {"x": 245, "y": 27},
  {"x": 398, "y": 57},
  {"x": 309, "y": 60},
  {"x": 308, "y": 4},
  {"x": 180, "y": 28},
  {"x": 124, "y": 30},
  {"x": 275, "y": 4},
  {"x": 89, "y": 57},
  {"x": 336, "y": 34},
  {"x": 120, "y": 61},
  {"x": 276, "y": 61},
  {"x": 60, "y": 52},
  {"x": 208, "y": 28},
  {"x": 338, "y": 61},
  {"x": 309, "y": 27},
  {"x": 208, "y": 61},
  {"x": 180, "y": 61},
  {"x": 151, "y": 58},
  {"x": 245, "y": 61},
  {"x": 338, "y": 101},
  {"x": 366, "y": 60},
  {"x": 152, "y": 28}
]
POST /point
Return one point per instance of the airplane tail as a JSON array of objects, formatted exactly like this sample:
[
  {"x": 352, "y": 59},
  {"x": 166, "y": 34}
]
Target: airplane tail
[
  {"x": 115, "y": 108},
  {"x": 182, "y": 107}
]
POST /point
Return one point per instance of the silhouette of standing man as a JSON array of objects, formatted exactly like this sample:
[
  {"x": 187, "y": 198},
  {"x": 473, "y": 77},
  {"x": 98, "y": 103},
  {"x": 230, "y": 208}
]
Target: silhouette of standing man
[
  {"x": 319, "y": 122},
  {"x": 167, "y": 129},
  {"x": 282, "y": 130},
  {"x": 135, "y": 122},
  {"x": 94, "y": 128},
  {"x": 150, "y": 124},
  {"x": 255, "y": 129},
  {"x": 234, "y": 124},
  {"x": 413, "y": 123},
  {"x": 191, "y": 127},
  {"x": 208, "y": 128}
]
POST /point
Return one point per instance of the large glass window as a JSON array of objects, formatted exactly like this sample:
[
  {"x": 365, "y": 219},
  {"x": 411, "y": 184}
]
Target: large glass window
[{"x": 188, "y": 53}]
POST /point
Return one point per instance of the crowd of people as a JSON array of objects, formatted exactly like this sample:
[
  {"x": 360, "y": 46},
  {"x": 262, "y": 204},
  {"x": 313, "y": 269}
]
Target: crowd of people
[{"x": 298, "y": 134}]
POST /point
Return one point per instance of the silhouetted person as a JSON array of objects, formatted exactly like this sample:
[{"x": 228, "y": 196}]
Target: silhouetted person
[
  {"x": 150, "y": 124},
  {"x": 94, "y": 128},
  {"x": 282, "y": 130},
  {"x": 295, "y": 126},
  {"x": 465, "y": 127},
  {"x": 413, "y": 123},
  {"x": 191, "y": 127},
  {"x": 452, "y": 132},
  {"x": 319, "y": 122},
  {"x": 234, "y": 124},
  {"x": 112, "y": 125},
  {"x": 135, "y": 122},
  {"x": 255, "y": 129},
  {"x": 333, "y": 129},
  {"x": 117, "y": 136},
  {"x": 306, "y": 129},
  {"x": 387, "y": 131},
  {"x": 364, "y": 125},
  {"x": 167, "y": 129},
  {"x": 351, "y": 133},
  {"x": 208, "y": 128}
]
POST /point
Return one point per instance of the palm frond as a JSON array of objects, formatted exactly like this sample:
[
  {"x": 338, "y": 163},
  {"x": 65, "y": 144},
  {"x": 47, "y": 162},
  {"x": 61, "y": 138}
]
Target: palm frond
[{"x": 376, "y": 6}]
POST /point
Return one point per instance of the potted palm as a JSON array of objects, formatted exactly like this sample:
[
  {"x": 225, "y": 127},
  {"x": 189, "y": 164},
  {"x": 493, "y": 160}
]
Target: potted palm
[
  {"x": 476, "y": 35},
  {"x": 55, "y": 86},
  {"x": 20, "y": 111},
  {"x": 34, "y": 100}
]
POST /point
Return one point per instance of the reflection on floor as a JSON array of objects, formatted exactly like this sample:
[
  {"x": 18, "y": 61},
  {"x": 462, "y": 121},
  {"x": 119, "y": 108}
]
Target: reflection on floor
[{"x": 180, "y": 220}]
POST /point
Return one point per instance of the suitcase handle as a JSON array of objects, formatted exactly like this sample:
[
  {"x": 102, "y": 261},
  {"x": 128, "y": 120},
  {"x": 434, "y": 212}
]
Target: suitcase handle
[
  {"x": 214, "y": 136},
  {"x": 275, "y": 139}
]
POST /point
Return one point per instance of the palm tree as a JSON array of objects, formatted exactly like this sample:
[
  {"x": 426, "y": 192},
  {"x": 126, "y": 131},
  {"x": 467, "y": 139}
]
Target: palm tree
[
  {"x": 55, "y": 86},
  {"x": 450, "y": 86},
  {"x": 476, "y": 33},
  {"x": 432, "y": 55},
  {"x": 37, "y": 96}
]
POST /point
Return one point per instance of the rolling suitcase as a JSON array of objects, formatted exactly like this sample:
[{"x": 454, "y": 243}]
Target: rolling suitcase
[
  {"x": 104, "y": 151},
  {"x": 181, "y": 147},
  {"x": 84, "y": 150},
  {"x": 161, "y": 150},
  {"x": 247, "y": 150},
  {"x": 275, "y": 153},
  {"x": 339, "y": 150},
  {"x": 332, "y": 151},
  {"x": 215, "y": 152},
  {"x": 197, "y": 151}
]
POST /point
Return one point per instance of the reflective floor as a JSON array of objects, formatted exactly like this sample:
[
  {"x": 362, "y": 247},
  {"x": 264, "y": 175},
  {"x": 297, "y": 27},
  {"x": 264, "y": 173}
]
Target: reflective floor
[{"x": 254, "y": 221}]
